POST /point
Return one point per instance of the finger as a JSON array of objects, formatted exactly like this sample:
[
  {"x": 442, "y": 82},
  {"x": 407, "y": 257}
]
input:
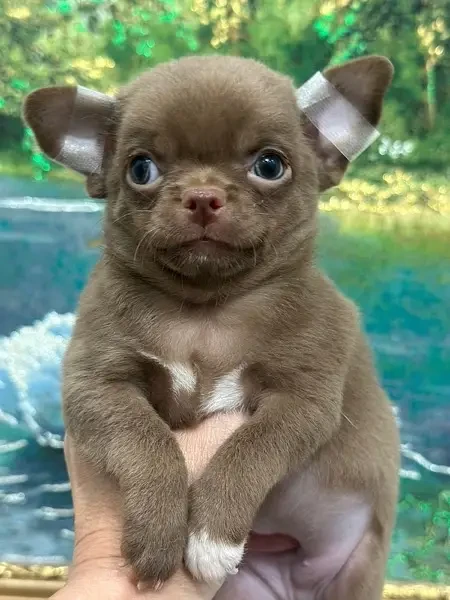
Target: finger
[
  {"x": 97, "y": 516},
  {"x": 271, "y": 543}
]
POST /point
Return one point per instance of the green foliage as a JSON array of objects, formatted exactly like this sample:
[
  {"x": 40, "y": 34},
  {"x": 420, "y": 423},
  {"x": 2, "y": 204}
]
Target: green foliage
[
  {"x": 103, "y": 43},
  {"x": 279, "y": 33},
  {"x": 393, "y": 192},
  {"x": 96, "y": 43},
  {"x": 427, "y": 523},
  {"x": 42, "y": 43},
  {"x": 141, "y": 36}
]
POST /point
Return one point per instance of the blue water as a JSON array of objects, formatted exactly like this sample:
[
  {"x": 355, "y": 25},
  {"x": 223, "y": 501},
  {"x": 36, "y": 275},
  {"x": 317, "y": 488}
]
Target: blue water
[{"x": 398, "y": 273}]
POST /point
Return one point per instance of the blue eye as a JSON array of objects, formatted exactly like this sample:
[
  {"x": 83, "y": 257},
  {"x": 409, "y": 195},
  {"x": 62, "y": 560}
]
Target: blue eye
[
  {"x": 143, "y": 171},
  {"x": 269, "y": 166}
]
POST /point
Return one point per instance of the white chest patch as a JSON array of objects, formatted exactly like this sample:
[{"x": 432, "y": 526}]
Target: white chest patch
[
  {"x": 183, "y": 377},
  {"x": 227, "y": 393}
]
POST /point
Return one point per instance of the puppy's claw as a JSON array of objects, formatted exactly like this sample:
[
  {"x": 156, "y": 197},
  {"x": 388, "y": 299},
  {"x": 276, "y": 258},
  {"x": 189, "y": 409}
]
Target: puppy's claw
[
  {"x": 212, "y": 561},
  {"x": 153, "y": 561}
]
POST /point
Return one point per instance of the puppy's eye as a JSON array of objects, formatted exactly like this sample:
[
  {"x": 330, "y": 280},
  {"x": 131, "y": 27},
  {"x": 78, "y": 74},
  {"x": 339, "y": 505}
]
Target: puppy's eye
[
  {"x": 269, "y": 166},
  {"x": 143, "y": 171}
]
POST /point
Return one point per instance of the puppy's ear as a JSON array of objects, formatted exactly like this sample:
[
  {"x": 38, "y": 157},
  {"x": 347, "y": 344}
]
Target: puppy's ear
[
  {"x": 74, "y": 126},
  {"x": 343, "y": 108}
]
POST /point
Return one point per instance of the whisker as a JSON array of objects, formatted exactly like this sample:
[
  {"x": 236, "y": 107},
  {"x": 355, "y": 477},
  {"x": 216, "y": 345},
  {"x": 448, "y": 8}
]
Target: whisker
[
  {"x": 347, "y": 419},
  {"x": 144, "y": 237},
  {"x": 130, "y": 212}
]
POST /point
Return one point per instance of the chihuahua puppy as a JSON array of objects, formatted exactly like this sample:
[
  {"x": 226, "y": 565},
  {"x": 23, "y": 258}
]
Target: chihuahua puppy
[{"x": 206, "y": 299}]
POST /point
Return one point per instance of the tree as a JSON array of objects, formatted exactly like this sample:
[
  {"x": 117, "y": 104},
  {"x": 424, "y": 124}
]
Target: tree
[
  {"x": 45, "y": 43},
  {"x": 95, "y": 43},
  {"x": 415, "y": 33}
]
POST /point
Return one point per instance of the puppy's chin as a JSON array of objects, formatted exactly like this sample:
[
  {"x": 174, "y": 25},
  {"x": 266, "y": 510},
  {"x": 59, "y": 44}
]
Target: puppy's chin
[{"x": 207, "y": 262}]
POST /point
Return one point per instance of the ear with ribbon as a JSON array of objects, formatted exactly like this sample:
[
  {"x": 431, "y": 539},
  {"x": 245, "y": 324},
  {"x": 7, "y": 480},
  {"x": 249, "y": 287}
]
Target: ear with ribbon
[
  {"x": 73, "y": 126},
  {"x": 343, "y": 108}
]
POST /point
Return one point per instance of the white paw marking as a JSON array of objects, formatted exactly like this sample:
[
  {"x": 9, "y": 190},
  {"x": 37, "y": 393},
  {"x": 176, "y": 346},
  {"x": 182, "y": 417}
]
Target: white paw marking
[
  {"x": 182, "y": 375},
  {"x": 227, "y": 393},
  {"x": 208, "y": 560}
]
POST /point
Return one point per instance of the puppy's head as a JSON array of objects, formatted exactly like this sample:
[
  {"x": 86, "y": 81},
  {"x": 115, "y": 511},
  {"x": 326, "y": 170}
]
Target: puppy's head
[{"x": 211, "y": 170}]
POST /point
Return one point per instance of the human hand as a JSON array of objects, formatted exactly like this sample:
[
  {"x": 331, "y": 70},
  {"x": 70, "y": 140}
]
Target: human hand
[{"x": 98, "y": 569}]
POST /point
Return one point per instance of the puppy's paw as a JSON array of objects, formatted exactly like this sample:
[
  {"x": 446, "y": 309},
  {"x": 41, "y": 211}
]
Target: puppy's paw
[
  {"x": 210, "y": 560},
  {"x": 154, "y": 553}
]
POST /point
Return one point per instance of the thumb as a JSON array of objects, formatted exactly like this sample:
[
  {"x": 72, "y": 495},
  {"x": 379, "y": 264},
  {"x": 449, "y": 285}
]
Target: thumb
[{"x": 98, "y": 521}]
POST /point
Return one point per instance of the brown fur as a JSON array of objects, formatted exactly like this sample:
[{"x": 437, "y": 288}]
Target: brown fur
[{"x": 310, "y": 385}]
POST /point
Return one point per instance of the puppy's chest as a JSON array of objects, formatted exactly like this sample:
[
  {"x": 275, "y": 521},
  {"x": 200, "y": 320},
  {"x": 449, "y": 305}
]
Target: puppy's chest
[{"x": 198, "y": 374}]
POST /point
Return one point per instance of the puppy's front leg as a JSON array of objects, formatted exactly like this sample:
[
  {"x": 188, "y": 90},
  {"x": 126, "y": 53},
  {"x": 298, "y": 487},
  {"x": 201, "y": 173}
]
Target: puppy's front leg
[
  {"x": 283, "y": 433},
  {"x": 113, "y": 425}
]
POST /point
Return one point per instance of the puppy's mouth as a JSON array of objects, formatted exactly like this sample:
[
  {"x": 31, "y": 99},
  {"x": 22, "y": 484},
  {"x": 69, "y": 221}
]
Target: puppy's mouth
[
  {"x": 208, "y": 244},
  {"x": 208, "y": 257}
]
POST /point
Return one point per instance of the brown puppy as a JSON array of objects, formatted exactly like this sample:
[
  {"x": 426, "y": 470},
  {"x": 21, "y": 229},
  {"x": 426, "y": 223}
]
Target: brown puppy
[{"x": 207, "y": 299}]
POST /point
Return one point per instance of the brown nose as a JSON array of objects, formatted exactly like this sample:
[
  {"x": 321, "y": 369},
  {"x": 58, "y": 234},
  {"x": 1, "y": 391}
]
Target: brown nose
[{"x": 203, "y": 204}]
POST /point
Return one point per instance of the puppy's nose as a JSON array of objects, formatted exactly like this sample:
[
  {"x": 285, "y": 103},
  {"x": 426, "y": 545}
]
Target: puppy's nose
[{"x": 203, "y": 204}]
